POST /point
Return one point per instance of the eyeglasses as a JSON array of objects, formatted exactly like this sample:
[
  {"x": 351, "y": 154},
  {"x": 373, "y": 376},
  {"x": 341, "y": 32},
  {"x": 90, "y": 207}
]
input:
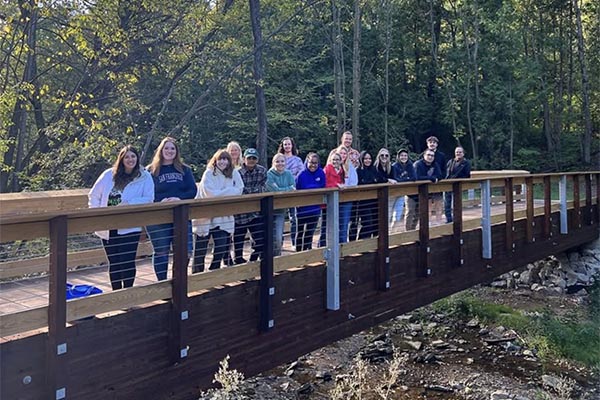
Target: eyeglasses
[{"x": 384, "y": 155}]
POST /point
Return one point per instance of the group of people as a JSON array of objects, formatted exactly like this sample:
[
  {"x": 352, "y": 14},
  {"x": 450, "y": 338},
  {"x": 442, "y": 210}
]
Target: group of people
[{"x": 232, "y": 171}]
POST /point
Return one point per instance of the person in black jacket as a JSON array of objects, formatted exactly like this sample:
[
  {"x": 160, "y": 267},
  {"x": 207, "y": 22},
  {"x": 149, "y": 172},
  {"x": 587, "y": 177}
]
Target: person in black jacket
[
  {"x": 440, "y": 160},
  {"x": 458, "y": 167},
  {"x": 425, "y": 169},
  {"x": 367, "y": 209},
  {"x": 403, "y": 172}
]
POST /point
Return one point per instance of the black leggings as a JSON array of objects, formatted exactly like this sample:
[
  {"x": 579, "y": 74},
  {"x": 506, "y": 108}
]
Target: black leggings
[{"x": 120, "y": 251}]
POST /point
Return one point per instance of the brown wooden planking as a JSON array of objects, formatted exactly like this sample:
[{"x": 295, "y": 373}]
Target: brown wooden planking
[{"x": 576, "y": 203}]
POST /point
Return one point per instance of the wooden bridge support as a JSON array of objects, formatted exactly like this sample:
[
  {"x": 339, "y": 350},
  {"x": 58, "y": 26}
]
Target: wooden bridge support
[
  {"x": 56, "y": 345},
  {"x": 588, "y": 199},
  {"x": 510, "y": 216},
  {"x": 424, "y": 265},
  {"x": 576, "y": 203},
  {"x": 530, "y": 211},
  {"x": 267, "y": 290},
  {"x": 457, "y": 220},
  {"x": 383, "y": 239},
  {"x": 178, "y": 349},
  {"x": 547, "y": 207}
]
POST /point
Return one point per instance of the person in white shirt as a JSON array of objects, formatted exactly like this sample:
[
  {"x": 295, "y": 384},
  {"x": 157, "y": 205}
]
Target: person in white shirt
[{"x": 126, "y": 183}]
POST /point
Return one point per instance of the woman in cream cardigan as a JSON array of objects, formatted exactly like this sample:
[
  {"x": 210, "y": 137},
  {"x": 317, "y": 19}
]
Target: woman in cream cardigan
[
  {"x": 219, "y": 179},
  {"x": 126, "y": 183}
]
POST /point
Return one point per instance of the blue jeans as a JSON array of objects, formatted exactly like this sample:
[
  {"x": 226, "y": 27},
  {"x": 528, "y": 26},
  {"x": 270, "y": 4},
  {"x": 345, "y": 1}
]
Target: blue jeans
[
  {"x": 278, "y": 219},
  {"x": 293, "y": 228},
  {"x": 161, "y": 237},
  {"x": 398, "y": 209},
  {"x": 345, "y": 212}
]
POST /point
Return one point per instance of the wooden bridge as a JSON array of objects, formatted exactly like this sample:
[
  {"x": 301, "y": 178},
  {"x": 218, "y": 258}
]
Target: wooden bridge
[{"x": 163, "y": 340}]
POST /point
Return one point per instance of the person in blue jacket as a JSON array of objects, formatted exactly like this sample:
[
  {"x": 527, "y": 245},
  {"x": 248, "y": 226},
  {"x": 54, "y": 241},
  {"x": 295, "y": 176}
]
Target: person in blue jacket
[
  {"x": 425, "y": 169},
  {"x": 312, "y": 177},
  {"x": 403, "y": 172},
  {"x": 173, "y": 181}
]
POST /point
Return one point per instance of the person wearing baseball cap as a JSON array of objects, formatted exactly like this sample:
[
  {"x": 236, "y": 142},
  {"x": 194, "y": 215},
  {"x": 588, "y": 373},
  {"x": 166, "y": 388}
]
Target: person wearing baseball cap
[{"x": 255, "y": 181}]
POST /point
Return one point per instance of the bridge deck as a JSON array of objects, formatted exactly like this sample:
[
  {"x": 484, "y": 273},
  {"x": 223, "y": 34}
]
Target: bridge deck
[{"x": 29, "y": 293}]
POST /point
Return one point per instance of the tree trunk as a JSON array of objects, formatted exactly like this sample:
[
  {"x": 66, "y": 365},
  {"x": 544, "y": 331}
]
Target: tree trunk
[
  {"x": 585, "y": 87},
  {"x": 258, "y": 73},
  {"x": 17, "y": 131},
  {"x": 338, "y": 80},
  {"x": 386, "y": 99},
  {"x": 356, "y": 76}
]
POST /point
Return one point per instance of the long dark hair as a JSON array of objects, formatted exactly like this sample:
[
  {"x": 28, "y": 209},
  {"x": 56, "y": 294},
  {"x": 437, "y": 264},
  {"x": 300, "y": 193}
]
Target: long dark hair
[
  {"x": 294, "y": 148},
  {"x": 212, "y": 164},
  {"x": 120, "y": 177}
]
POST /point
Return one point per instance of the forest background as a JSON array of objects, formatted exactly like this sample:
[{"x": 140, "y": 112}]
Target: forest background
[{"x": 517, "y": 83}]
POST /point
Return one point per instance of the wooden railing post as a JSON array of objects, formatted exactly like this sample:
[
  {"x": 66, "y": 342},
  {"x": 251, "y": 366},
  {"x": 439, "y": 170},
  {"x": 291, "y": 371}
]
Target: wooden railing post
[
  {"x": 509, "y": 233},
  {"x": 423, "y": 267},
  {"x": 530, "y": 211},
  {"x": 588, "y": 199},
  {"x": 179, "y": 301},
  {"x": 383, "y": 239},
  {"x": 486, "y": 219},
  {"x": 267, "y": 290},
  {"x": 562, "y": 194},
  {"x": 576, "y": 202},
  {"x": 56, "y": 349},
  {"x": 547, "y": 207},
  {"x": 332, "y": 252},
  {"x": 457, "y": 220}
]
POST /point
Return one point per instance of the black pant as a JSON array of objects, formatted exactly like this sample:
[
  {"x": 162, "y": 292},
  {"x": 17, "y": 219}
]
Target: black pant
[
  {"x": 256, "y": 229},
  {"x": 120, "y": 251},
  {"x": 201, "y": 246},
  {"x": 305, "y": 230}
]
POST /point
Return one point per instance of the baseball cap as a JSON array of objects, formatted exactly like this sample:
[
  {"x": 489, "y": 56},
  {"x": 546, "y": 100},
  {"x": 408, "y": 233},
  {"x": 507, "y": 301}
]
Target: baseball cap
[{"x": 251, "y": 152}]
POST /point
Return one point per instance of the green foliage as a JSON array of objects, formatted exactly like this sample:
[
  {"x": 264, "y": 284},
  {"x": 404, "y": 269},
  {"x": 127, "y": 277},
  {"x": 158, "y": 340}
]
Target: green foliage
[{"x": 547, "y": 333}]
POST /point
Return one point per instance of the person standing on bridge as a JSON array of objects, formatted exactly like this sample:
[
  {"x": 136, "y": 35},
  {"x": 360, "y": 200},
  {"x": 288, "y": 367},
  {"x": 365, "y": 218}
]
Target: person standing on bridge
[
  {"x": 403, "y": 172},
  {"x": 335, "y": 177},
  {"x": 367, "y": 209},
  {"x": 425, "y": 169},
  {"x": 440, "y": 161},
  {"x": 235, "y": 151},
  {"x": 279, "y": 179},
  {"x": 294, "y": 164},
  {"x": 254, "y": 176},
  {"x": 458, "y": 167},
  {"x": 173, "y": 181},
  {"x": 219, "y": 179},
  {"x": 126, "y": 183},
  {"x": 312, "y": 177}
]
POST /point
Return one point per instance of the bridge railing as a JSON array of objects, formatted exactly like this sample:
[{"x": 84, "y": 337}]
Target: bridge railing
[{"x": 544, "y": 195}]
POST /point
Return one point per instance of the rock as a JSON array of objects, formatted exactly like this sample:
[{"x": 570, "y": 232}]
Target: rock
[
  {"x": 404, "y": 388},
  {"x": 536, "y": 287},
  {"x": 528, "y": 353},
  {"x": 511, "y": 347},
  {"x": 415, "y": 327},
  {"x": 551, "y": 382},
  {"x": 469, "y": 361},
  {"x": 305, "y": 389},
  {"x": 525, "y": 278},
  {"x": 573, "y": 256},
  {"x": 439, "y": 344},
  {"x": 474, "y": 323},
  {"x": 499, "y": 284},
  {"x": 499, "y": 395},
  {"x": 483, "y": 331},
  {"x": 325, "y": 375},
  {"x": 404, "y": 318},
  {"x": 414, "y": 344},
  {"x": 439, "y": 388},
  {"x": 427, "y": 358}
]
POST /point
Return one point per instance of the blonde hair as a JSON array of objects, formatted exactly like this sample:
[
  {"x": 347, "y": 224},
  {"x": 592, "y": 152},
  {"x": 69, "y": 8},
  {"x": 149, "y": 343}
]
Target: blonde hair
[
  {"x": 345, "y": 163},
  {"x": 275, "y": 157},
  {"x": 157, "y": 160},
  {"x": 388, "y": 166},
  {"x": 231, "y": 145}
]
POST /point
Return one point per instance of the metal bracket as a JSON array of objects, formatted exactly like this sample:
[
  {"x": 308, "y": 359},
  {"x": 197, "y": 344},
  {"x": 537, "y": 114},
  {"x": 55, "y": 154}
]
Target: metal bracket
[
  {"x": 61, "y": 349},
  {"x": 271, "y": 291},
  {"x": 61, "y": 393},
  {"x": 183, "y": 353},
  {"x": 271, "y": 323},
  {"x": 184, "y": 315}
]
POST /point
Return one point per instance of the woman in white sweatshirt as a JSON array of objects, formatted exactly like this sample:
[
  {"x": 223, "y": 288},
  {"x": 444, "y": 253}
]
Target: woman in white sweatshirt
[
  {"x": 126, "y": 183},
  {"x": 220, "y": 179}
]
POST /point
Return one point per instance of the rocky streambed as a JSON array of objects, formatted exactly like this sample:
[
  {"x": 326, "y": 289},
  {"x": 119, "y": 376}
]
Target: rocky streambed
[{"x": 440, "y": 352}]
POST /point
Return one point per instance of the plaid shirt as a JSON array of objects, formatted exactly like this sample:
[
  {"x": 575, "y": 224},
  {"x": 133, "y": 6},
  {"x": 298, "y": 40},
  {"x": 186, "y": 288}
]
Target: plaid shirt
[{"x": 255, "y": 181}]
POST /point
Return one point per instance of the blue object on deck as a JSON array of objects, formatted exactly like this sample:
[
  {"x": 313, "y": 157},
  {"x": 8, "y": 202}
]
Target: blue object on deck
[{"x": 77, "y": 291}]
